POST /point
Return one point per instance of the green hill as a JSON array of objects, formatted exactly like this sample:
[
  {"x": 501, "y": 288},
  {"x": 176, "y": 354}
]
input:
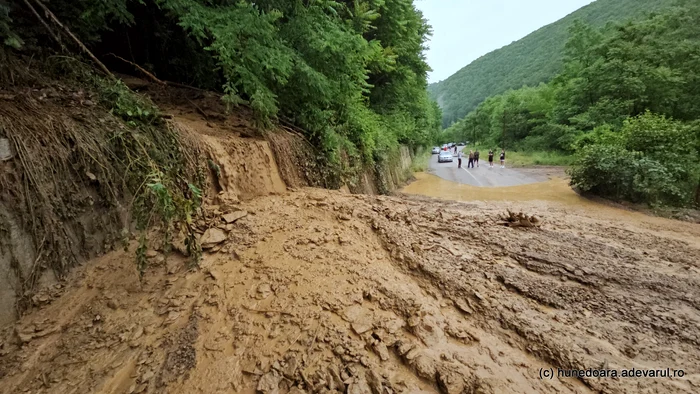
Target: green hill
[{"x": 529, "y": 61}]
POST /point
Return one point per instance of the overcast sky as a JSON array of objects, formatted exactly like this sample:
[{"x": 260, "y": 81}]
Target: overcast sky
[{"x": 464, "y": 30}]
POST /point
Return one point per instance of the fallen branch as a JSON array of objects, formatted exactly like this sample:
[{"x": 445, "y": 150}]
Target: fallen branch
[
  {"x": 46, "y": 25},
  {"x": 249, "y": 309},
  {"x": 82, "y": 46},
  {"x": 201, "y": 111},
  {"x": 154, "y": 78},
  {"x": 143, "y": 71},
  {"x": 439, "y": 246}
]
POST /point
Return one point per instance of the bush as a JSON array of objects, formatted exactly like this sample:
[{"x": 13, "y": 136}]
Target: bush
[
  {"x": 603, "y": 170},
  {"x": 615, "y": 172}
]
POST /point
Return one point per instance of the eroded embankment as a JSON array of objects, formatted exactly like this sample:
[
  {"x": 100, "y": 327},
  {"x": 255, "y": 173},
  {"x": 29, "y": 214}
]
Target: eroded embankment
[
  {"x": 74, "y": 175},
  {"x": 320, "y": 291}
]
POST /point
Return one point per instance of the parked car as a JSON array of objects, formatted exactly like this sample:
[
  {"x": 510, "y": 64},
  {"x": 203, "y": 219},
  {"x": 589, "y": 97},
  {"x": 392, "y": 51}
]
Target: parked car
[
  {"x": 460, "y": 144},
  {"x": 436, "y": 150},
  {"x": 445, "y": 157}
]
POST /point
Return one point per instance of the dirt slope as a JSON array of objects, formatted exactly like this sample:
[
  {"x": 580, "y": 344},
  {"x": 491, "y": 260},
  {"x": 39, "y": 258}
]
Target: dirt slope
[{"x": 319, "y": 291}]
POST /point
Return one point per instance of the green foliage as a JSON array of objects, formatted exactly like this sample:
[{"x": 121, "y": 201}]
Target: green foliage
[
  {"x": 652, "y": 159},
  {"x": 421, "y": 159},
  {"x": 7, "y": 35},
  {"x": 534, "y": 59},
  {"x": 123, "y": 103},
  {"x": 352, "y": 74},
  {"x": 536, "y": 158},
  {"x": 626, "y": 101}
]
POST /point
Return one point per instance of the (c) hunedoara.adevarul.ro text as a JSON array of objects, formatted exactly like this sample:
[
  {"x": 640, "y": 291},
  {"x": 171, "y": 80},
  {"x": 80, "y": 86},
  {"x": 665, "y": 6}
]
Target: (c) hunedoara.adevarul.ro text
[{"x": 560, "y": 373}]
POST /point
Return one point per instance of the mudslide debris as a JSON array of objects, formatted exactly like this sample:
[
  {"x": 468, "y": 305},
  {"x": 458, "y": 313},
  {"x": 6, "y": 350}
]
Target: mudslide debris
[{"x": 520, "y": 219}]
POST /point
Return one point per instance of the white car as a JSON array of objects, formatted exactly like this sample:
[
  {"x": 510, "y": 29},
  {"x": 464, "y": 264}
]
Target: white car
[
  {"x": 445, "y": 157},
  {"x": 436, "y": 150}
]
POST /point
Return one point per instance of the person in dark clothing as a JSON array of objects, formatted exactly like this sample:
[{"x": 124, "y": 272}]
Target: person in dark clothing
[
  {"x": 476, "y": 157},
  {"x": 455, "y": 149},
  {"x": 503, "y": 158},
  {"x": 490, "y": 158},
  {"x": 471, "y": 159}
]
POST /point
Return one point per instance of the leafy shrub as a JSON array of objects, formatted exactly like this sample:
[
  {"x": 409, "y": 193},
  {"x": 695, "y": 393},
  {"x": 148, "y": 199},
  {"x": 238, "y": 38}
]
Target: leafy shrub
[
  {"x": 7, "y": 35},
  {"x": 615, "y": 172},
  {"x": 606, "y": 170}
]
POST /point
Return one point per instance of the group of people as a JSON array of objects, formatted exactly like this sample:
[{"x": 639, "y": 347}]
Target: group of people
[{"x": 474, "y": 158}]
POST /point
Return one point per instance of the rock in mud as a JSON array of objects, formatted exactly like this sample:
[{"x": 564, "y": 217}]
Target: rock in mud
[
  {"x": 424, "y": 367},
  {"x": 362, "y": 326},
  {"x": 212, "y": 237},
  {"x": 269, "y": 383},
  {"x": 172, "y": 266},
  {"x": 290, "y": 369},
  {"x": 381, "y": 351},
  {"x": 463, "y": 306},
  {"x": 450, "y": 382},
  {"x": 6, "y": 152},
  {"x": 359, "y": 386},
  {"x": 233, "y": 216},
  {"x": 375, "y": 382},
  {"x": 404, "y": 347},
  {"x": 264, "y": 290}
]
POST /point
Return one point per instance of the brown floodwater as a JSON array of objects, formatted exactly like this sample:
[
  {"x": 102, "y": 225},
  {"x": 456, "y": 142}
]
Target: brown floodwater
[
  {"x": 555, "y": 189},
  {"x": 555, "y": 193}
]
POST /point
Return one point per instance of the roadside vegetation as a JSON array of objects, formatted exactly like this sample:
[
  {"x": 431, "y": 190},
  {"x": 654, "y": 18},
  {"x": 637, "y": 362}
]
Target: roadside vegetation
[
  {"x": 536, "y": 158},
  {"x": 421, "y": 159},
  {"x": 351, "y": 75},
  {"x": 624, "y": 112}
]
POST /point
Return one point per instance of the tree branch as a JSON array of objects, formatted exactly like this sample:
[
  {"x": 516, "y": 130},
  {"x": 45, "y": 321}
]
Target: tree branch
[
  {"x": 82, "y": 46},
  {"x": 143, "y": 71},
  {"x": 46, "y": 25}
]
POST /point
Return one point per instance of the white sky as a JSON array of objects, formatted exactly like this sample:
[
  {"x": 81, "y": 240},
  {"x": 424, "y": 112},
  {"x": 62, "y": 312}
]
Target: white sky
[{"x": 464, "y": 30}]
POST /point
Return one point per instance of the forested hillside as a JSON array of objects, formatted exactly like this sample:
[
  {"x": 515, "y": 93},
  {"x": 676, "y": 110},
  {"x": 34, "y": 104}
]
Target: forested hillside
[
  {"x": 627, "y": 104},
  {"x": 352, "y": 75},
  {"x": 529, "y": 61}
]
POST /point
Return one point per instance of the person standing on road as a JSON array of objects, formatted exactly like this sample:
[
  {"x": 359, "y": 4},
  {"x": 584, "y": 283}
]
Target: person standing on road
[
  {"x": 476, "y": 157},
  {"x": 503, "y": 158},
  {"x": 490, "y": 158},
  {"x": 459, "y": 159},
  {"x": 471, "y": 159},
  {"x": 455, "y": 149}
]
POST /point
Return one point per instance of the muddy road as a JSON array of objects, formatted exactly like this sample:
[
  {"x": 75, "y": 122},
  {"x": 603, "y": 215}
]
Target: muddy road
[{"x": 321, "y": 291}]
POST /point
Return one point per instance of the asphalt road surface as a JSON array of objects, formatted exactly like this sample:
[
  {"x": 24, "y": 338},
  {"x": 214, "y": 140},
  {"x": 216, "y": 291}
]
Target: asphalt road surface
[{"x": 482, "y": 175}]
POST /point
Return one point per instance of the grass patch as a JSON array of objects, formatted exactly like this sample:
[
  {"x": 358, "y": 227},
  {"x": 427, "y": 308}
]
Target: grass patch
[
  {"x": 422, "y": 159},
  {"x": 524, "y": 159}
]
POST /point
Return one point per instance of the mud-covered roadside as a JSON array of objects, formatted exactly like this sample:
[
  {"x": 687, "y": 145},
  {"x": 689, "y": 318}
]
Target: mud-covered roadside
[{"x": 320, "y": 291}]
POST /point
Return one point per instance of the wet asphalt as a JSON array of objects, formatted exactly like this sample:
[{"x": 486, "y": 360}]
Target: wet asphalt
[{"x": 483, "y": 175}]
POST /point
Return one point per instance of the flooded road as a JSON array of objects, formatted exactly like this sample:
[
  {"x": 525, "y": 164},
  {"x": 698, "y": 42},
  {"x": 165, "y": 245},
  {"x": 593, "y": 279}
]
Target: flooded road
[
  {"x": 556, "y": 189},
  {"x": 554, "y": 195}
]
